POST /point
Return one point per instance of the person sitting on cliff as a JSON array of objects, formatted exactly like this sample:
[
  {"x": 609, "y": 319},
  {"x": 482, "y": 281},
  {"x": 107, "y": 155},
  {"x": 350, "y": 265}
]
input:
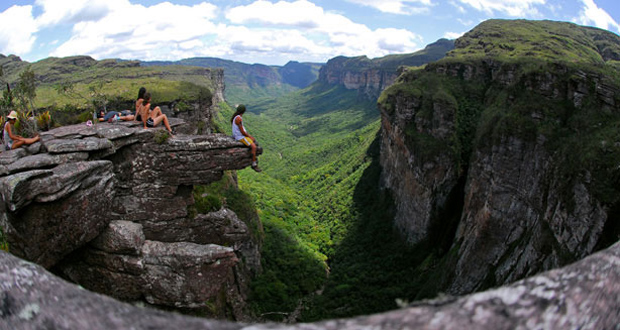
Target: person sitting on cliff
[
  {"x": 139, "y": 105},
  {"x": 12, "y": 140},
  {"x": 152, "y": 118},
  {"x": 241, "y": 135}
]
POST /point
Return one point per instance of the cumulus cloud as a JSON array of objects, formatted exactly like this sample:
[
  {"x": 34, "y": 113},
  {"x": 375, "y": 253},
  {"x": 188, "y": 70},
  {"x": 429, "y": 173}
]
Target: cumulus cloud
[
  {"x": 591, "y": 14},
  {"x": 135, "y": 31},
  {"x": 270, "y": 32},
  {"x": 300, "y": 13},
  {"x": 58, "y": 12},
  {"x": 402, "y": 7},
  {"x": 514, "y": 8},
  {"x": 453, "y": 35},
  {"x": 308, "y": 29},
  {"x": 17, "y": 28}
]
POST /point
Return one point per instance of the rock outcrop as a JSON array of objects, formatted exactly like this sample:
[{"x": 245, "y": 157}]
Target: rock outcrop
[
  {"x": 371, "y": 77},
  {"x": 109, "y": 207},
  {"x": 506, "y": 164},
  {"x": 583, "y": 295}
]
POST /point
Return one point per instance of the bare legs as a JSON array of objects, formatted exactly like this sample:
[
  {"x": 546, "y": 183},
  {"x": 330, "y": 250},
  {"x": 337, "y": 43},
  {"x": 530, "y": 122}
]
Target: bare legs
[
  {"x": 25, "y": 141},
  {"x": 253, "y": 149},
  {"x": 158, "y": 117}
]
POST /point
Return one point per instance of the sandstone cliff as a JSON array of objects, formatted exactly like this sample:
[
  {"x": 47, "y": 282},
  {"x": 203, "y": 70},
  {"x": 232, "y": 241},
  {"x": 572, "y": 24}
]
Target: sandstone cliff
[
  {"x": 371, "y": 77},
  {"x": 511, "y": 164},
  {"x": 109, "y": 207}
]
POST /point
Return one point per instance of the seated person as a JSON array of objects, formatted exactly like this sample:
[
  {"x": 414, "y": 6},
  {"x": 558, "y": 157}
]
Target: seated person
[
  {"x": 139, "y": 103},
  {"x": 109, "y": 116},
  {"x": 152, "y": 118},
  {"x": 12, "y": 140}
]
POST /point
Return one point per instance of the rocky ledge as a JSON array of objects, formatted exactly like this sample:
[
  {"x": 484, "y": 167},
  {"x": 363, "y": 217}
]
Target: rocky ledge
[
  {"x": 583, "y": 295},
  {"x": 109, "y": 207}
]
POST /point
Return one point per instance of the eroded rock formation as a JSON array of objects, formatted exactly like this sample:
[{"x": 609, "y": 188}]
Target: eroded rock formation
[
  {"x": 583, "y": 295},
  {"x": 371, "y": 76},
  {"x": 108, "y": 207},
  {"x": 500, "y": 164}
]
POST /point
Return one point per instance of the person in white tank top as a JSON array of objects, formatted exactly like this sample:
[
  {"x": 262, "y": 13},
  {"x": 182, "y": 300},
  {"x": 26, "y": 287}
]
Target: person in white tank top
[
  {"x": 12, "y": 140},
  {"x": 241, "y": 135}
]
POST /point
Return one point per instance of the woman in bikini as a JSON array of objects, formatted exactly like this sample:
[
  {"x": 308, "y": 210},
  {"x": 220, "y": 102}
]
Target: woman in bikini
[
  {"x": 152, "y": 118},
  {"x": 138, "y": 115}
]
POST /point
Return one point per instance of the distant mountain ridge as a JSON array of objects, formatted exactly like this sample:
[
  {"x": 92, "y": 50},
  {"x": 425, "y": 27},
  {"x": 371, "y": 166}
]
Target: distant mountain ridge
[
  {"x": 249, "y": 81},
  {"x": 371, "y": 76}
]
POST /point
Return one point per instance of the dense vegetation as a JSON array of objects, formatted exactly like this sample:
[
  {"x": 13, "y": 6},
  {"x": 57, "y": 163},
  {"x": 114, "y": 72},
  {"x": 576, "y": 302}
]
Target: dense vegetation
[
  {"x": 254, "y": 81},
  {"x": 72, "y": 87},
  {"x": 311, "y": 155},
  {"x": 319, "y": 194},
  {"x": 329, "y": 247}
]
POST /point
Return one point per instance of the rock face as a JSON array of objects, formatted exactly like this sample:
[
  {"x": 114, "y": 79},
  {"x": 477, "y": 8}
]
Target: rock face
[
  {"x": 506, "y": 168},
  {"x": 371, "y": 77},
  {"x": 199, "y": 114},
  {"x": 107, "y": 207},
  {"x": 583, "y": 295}
]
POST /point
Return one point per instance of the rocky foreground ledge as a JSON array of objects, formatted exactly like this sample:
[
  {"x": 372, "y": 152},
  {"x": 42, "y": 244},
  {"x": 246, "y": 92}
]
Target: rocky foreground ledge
[
  {"x": 584, "y": 295},
  {"x": 110, "y": 207}
]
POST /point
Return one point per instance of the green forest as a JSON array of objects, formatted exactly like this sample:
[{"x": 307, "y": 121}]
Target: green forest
[{"x": 330, "y": 249}]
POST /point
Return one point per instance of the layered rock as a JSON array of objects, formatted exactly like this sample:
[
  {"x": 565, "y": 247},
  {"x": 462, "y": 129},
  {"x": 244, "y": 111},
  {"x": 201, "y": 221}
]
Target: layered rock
[
  {"x": 107, "y": 206},
  {"x": 583, "y": 295},
  {"x": 371, "y": 77},
  {"x": 477, "y": 154}
]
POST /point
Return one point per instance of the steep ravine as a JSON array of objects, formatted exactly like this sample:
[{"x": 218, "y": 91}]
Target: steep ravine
[{"x": 536, "y": 144}]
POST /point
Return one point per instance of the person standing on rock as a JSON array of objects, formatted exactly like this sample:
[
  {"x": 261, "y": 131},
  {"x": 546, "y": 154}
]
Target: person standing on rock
[
  {"x": 241, "y": 135},
  {"x": 12, "y": 140},
  {"x": 152, "y": 118}
]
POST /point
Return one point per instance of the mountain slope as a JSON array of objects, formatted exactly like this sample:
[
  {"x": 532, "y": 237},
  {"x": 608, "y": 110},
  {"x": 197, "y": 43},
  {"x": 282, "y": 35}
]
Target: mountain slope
[
  {"x": 503, "y": 157},
  {"x": 318, "y": 182},
  {"x": 247, "y": 82}
]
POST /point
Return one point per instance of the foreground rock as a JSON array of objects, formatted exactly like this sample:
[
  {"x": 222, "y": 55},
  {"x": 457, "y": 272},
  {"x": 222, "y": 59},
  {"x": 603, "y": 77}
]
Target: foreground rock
[
  {"x": 108, "y": 207},
  {"x": 580, "y": 296}
]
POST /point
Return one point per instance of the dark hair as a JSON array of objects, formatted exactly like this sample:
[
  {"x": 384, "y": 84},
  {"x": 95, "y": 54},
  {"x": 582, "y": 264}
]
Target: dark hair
[
  {"x": 141, "y": 93},
  {"x": 147, "y": 98},
  {"x": 240, "y": 111}
]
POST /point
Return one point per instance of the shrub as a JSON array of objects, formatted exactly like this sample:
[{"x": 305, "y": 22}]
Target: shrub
[
  {"x": 161, "y": 136},
  {"x": 4, "y": 245},
  {"x": 206, "y": 203}
]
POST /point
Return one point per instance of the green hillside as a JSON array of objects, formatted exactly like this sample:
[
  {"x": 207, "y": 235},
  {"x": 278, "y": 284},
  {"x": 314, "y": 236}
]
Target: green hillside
[
  {"x": 540, "y": 41},
  {"x": 321, "y": 152},
  {"x": 247, "y": 82},
  {"x": 328, "y": 225}
]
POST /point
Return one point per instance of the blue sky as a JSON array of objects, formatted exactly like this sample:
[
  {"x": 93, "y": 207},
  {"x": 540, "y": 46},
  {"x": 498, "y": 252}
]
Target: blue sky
[{"x": 263, "y": 31}]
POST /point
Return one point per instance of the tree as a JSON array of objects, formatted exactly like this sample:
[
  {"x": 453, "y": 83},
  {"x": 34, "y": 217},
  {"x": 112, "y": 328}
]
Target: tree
[
  {"x": 26, "y": 91},
  {"x": 95, "y": 96}
]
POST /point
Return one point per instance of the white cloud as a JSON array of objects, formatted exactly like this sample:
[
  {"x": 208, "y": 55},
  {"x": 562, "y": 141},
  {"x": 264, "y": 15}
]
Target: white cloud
[
  {"x": 305, "y": 29},
  {"x": 592, "y": 14},
  {"x": 300, "y": 13},
  {"x": 514, "y": 8},
  {"x": 453, "y": 35},
  {"x": 397, "y": 6},
  {"x": 63, "y": 12},
  {"x": 135, "y": 31},
  {"x": 260, "y": 32},
  {"x": 17, "y": 28}
]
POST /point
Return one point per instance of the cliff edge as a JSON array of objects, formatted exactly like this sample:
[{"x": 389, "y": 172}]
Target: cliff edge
[{"x": 110, "y": 207}]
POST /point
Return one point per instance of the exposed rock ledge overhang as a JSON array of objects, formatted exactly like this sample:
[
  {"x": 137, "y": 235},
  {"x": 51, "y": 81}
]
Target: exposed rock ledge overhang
[{"x": 584, "y": 295}]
